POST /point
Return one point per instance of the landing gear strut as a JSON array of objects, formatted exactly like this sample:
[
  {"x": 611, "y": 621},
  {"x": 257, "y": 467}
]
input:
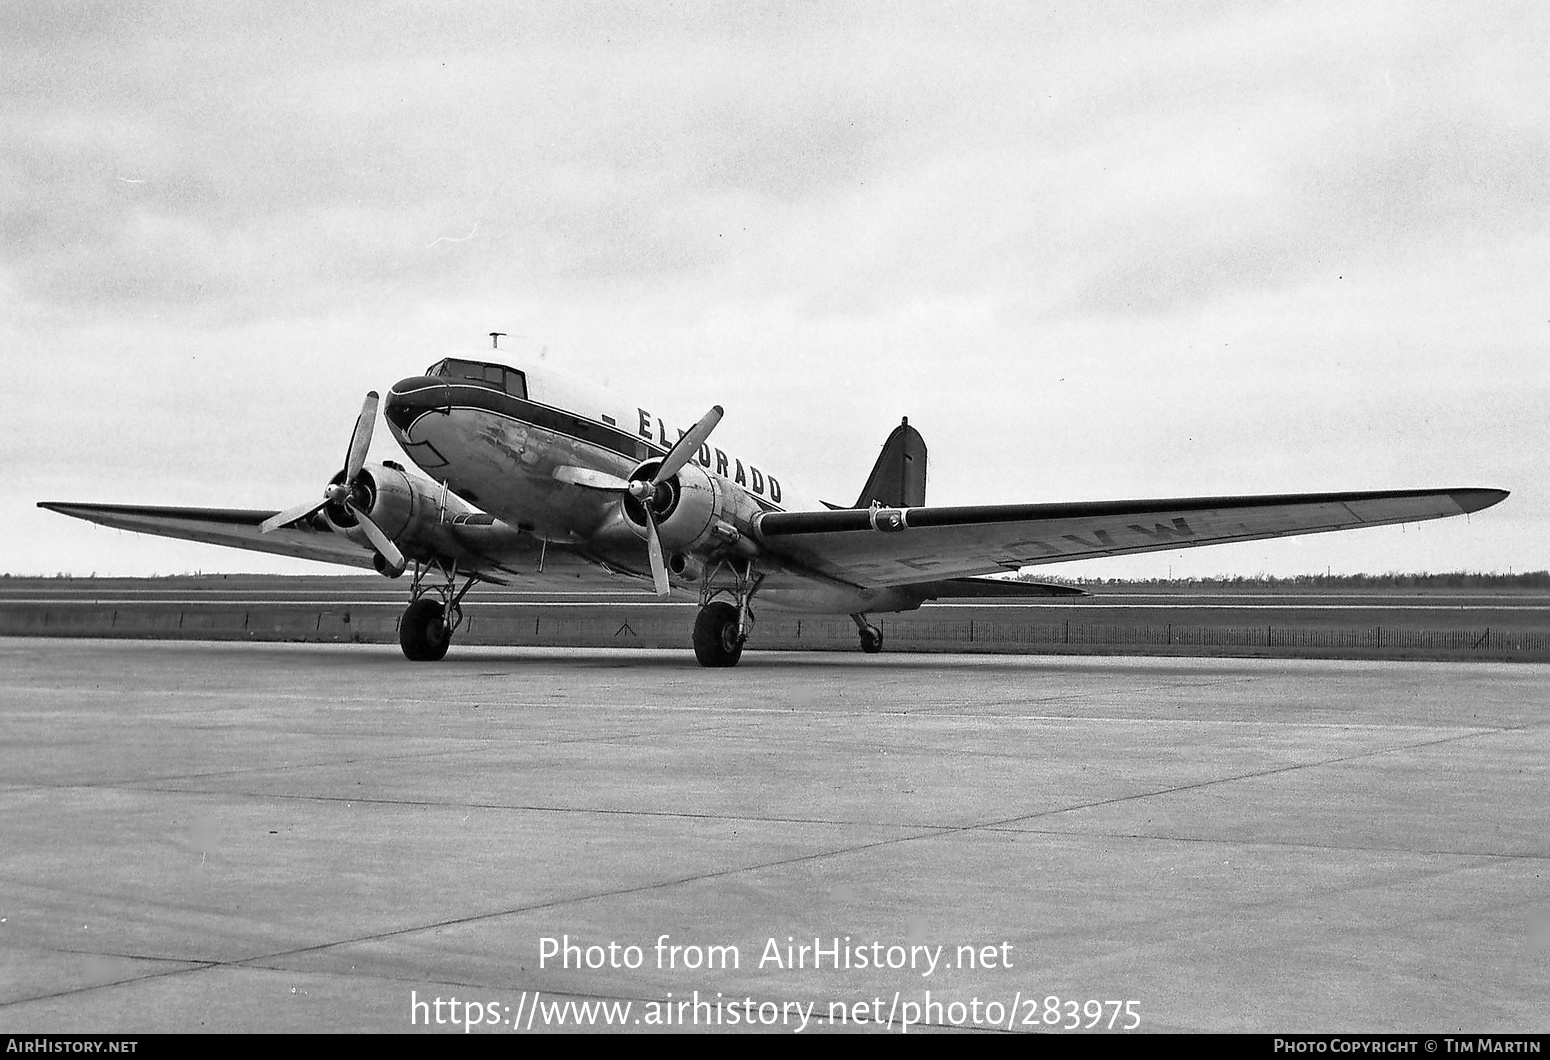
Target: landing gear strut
[
  {"x": 871, "y": 636},
  {"x": 426, "y": 628},
  {"x": 721, "y": 628}
]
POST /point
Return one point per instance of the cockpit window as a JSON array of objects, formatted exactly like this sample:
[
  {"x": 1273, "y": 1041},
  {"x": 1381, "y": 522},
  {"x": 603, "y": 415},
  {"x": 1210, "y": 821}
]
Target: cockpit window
[{"x": 494, "y": 376}]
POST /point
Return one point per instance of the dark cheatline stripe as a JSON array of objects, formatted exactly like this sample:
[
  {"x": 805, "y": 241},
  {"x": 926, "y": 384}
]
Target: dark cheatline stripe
[
  {"x": 406, "y": 405},
  {"x": 778, "y": 524}
]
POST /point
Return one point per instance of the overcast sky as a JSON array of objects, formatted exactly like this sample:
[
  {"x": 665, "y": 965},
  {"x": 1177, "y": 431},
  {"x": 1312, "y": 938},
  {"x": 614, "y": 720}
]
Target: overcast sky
[{"x": 1092, "y": 251}]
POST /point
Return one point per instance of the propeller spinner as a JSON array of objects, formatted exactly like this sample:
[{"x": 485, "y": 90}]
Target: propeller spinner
[{"x": 347, "y": 493}]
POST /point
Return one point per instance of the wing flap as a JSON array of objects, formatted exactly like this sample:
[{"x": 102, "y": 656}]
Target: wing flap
[{"x": 885, "y": 547}]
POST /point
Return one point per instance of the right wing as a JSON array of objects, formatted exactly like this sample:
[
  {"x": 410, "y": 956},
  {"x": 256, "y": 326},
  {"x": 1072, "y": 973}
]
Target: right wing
[
  {"x": 233, "y": 527},
  {"x": 479, "y": 545},
  {"x": 883, "y": 547}
]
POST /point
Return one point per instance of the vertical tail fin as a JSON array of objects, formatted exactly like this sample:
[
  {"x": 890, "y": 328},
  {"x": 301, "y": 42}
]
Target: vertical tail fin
[{"x": 898, "y": 478}]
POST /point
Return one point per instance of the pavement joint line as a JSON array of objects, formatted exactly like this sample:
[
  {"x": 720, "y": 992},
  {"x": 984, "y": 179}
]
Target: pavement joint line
[
  {"x": 477, "y": 745},
  {"x": 935, "y": 710},
  {"x": 128, "y": 981},
  {"x": 500, "y": 806},
  {"x": 122, "y": 956},
  {"x": 103, "y": 898},
  {"x": 998, "y": 824},
  {"x": 944, "y": 712},
  {"x": 1280, "y": 844},
  {"x": 1257, "y": 774}
]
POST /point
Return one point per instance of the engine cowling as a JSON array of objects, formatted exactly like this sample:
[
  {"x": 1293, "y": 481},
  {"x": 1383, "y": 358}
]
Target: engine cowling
[
  {"x": 386, "y": 495},
  {"x": 410, "y": 511},
  {"x": 695, "y": 512}
]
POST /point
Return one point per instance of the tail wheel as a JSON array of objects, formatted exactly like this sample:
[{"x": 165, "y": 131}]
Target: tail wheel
[
  {"x": 716, "y": 640},
  {"x": 423, "y": 632}
]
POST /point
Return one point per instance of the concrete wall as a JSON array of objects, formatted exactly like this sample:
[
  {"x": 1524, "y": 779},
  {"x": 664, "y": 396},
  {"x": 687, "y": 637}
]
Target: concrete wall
[{"x": 671, "y": 627}]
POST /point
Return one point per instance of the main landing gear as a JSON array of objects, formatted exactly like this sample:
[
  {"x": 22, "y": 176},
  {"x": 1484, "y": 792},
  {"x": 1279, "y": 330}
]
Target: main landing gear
[
  {"x": 426, "y": 628},
  {"x": 871, "y": 636},
  {"x": 721, "y": 628},
  {"x": 717, "y": 639}
]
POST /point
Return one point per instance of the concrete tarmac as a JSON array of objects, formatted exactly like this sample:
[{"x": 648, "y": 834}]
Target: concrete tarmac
[{"x": 272, "y": 837}]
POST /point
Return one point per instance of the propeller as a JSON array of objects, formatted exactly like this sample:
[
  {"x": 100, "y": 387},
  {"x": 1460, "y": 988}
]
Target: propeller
[
  {"x": 646, "y": 491},
  {"x": 345, "y": 490}
]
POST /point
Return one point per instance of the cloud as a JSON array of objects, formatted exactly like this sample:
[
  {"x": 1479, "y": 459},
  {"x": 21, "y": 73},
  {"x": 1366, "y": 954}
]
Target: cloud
[
  {"x": 1085, "y": 226},
  {"x": 1118, "y": 163}
]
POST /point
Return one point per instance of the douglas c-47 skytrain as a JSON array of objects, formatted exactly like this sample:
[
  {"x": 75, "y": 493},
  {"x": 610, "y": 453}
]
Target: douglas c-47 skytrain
[{"x": 540, "y": 478}]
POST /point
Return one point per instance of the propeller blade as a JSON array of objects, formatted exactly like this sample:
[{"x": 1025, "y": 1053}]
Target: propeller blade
[
  {"x": 379, "y": 540},
  {"x": 654, "y": 550},
  {"x": 687, "y": 446},
  {"x": 592, "y": 480},
  {"x": 291, "y": 515},
  {"x": 360, "y": 438}
]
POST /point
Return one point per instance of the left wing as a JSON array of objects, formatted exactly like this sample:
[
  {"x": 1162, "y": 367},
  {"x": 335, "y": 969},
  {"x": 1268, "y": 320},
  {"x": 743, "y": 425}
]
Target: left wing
[{"x": 881, "y": 547}]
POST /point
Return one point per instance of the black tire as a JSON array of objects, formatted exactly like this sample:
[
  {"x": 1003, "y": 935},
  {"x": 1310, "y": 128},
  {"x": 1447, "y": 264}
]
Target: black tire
[
  {"x": 716, "y": 642},
  {"x": 871, "y": 640},
  {"x": 423, "y": 632}
]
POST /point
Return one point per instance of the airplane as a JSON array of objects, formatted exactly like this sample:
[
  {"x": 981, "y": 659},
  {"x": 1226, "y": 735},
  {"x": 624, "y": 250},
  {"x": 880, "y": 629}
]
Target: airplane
[{"x": 535, "y": 477}]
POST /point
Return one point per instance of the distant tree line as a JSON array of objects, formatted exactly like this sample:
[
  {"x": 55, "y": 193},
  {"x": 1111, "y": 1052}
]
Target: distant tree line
[{"x": 1534, "y": 579}]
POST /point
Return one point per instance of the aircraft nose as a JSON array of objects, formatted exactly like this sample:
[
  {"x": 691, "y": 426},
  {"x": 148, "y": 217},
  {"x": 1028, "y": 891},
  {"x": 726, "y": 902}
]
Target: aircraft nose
[{"x": 411, "y": 398}]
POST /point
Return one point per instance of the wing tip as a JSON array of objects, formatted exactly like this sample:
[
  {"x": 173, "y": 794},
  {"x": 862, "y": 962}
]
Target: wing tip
[{"x": 1474, "y": 500}]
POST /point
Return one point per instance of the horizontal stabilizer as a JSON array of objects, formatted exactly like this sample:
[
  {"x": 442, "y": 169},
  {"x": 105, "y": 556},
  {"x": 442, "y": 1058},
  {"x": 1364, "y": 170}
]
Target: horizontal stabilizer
[{"x": 992, "y": 589}]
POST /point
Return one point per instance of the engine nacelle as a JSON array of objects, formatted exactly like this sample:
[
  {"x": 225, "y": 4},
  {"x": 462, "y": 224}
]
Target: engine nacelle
[
  {"x": 414, "y": 514},
  {"x": 696, "y": 513}
]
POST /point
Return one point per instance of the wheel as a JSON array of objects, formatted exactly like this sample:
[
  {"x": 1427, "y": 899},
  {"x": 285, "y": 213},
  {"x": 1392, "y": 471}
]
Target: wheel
[
  {"x": 423, "y": 633},
  {"x": 716, "y": 642},
  {"x": 871, "y": 640}
]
